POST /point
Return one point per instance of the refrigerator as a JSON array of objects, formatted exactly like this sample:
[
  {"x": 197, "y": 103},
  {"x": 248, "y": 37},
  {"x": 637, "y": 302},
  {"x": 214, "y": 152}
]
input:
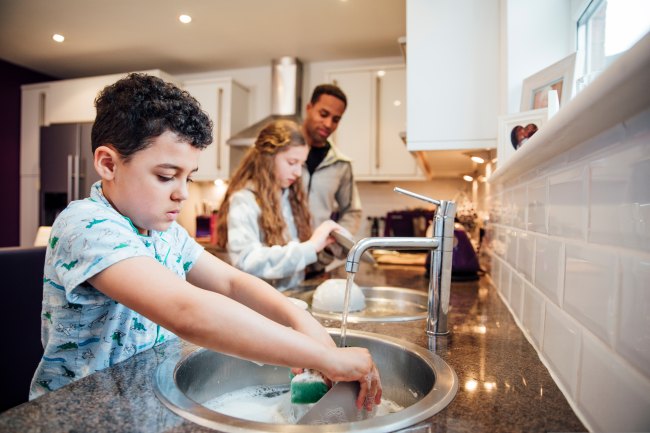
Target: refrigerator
[{"x": 66, "y": 165}]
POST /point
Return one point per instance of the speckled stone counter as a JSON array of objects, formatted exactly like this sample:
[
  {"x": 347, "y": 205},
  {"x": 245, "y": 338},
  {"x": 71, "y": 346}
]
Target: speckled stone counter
[{"x": 503, "y": 385}]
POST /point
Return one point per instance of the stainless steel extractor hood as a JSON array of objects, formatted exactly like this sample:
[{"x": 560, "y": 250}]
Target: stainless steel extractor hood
[{"x": 286, "y": 99}]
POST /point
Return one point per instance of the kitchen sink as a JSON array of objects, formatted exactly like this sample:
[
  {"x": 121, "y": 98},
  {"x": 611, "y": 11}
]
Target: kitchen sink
[
  {"x": 383, "y": 304},
  {"x": 413, "y": 377}
]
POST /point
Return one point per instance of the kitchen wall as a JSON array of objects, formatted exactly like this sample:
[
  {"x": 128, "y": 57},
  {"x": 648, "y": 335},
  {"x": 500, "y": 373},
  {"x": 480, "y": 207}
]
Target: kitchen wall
[
  {"x": 11, "y": 78},
  {"x": 570, "y": 245}
]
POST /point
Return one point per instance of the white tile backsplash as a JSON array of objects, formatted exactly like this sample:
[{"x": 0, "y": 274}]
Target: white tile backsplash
[
  {"x": 620, "y": 196},
  {"x": 548, "y": 265},
  {"x": 614, "y": 396},
  {"x": 537, "y": 206},
  {"x": 590, "y": 289},
  {"x": 533, "y": 314},
  {"x": 516, "y": 294},
  {"x": 567, "y": 203},
  {"x": 576, "y": 275},
  {"x": 633, "y": 341},
  {"x": 525, "y": 255},
  {"x": 562, "y": 346}
]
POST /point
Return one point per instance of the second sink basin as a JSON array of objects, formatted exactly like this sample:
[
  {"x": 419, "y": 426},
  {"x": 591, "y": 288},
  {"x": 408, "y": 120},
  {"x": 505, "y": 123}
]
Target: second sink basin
[{"x": 383, "y": 304}]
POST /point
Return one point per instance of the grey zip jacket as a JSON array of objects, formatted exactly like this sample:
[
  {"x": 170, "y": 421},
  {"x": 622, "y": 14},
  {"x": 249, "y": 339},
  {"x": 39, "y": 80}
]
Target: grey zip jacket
[
  {"x": 332, "y": 189},
  {"x": 281, "y": 266}
]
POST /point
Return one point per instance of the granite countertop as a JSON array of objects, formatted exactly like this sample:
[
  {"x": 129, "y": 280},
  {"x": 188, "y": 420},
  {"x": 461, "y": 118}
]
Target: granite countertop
[{"x": 503, "y": 384}]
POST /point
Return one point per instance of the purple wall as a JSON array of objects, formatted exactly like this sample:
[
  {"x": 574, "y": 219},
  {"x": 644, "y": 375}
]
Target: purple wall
[{"x": 11, "y": 78}]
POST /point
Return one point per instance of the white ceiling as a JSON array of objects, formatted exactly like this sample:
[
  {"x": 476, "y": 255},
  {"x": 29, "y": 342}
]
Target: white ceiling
[{"x": 114, "y": 36}]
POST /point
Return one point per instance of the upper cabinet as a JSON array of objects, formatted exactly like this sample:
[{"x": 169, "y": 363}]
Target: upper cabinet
[
  {"x": 369, "y": 132},
  {"x": 452, "y": 74},
  {"x": 226, "y": 102}
]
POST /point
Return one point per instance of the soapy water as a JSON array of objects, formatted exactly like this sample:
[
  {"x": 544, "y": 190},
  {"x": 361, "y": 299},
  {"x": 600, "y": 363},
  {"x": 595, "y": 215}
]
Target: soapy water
[{"x": 272, "y": 404}]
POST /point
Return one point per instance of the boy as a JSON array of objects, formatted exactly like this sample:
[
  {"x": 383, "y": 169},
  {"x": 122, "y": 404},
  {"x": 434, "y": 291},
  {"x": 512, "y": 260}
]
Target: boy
[{"x": 122, "y": 276}]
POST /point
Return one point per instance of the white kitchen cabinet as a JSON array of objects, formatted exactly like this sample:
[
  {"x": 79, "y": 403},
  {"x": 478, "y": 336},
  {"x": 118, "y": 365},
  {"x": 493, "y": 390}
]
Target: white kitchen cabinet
[
  {"x": 226, "y": 102},
  {"x": 71, "y": 101},
  {"x": 452, "y": 74},
  {"x": 369, "y": 132}
]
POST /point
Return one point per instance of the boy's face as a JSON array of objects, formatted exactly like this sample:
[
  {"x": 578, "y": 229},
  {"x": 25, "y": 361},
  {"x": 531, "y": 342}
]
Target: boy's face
[{"x": 151, "y": 187}]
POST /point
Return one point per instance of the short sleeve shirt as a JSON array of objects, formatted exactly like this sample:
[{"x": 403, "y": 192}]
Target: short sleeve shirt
[{"x": 83, "y": 330}]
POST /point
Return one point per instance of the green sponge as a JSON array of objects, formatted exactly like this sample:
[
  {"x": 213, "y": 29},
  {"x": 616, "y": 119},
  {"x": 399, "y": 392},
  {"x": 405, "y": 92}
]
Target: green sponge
[{"x": 308, "y": 387}]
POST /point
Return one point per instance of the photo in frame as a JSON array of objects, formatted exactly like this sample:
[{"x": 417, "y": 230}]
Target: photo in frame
[
  {"x": 559, "y": 76},
  {"x": 516, "y": 129}
]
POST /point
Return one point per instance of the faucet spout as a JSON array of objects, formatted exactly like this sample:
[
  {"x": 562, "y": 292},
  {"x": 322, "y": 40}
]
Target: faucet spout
[
  {"x": 441, "y": 247},
  {"x": 389, "y": 243}
]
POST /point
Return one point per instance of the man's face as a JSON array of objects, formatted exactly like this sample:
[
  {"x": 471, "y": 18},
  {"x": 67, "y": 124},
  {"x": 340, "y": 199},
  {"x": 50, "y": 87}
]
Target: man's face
[
  {"x": 322, "y": 119},
  {"x": 151, "y": 187}
]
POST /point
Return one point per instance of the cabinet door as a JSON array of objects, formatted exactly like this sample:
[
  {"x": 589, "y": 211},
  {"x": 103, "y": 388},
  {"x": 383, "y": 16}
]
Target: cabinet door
[
  {"x": 214, "y": 158},
  {"x": 392, "y": 158},
  {"x": 355, "y": 132}
]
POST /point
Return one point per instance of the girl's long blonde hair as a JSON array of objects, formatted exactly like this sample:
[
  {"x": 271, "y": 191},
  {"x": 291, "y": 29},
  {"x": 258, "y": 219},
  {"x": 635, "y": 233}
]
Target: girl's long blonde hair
[{"x": 258, "y": 169}]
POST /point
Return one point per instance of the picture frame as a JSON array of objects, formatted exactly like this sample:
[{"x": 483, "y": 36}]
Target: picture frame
[
  {"x": 559, "y": 76},
  {"x": 516, "y": 129}
]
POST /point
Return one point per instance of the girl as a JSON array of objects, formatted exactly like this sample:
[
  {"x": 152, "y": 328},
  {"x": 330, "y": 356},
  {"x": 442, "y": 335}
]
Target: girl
[{"x": 264, "y": 221}]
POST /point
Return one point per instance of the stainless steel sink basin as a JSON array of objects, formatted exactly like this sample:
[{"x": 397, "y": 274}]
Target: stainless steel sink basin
[
  {"x": 383, "y": 304},
  {"x": 412, "y": 377}
]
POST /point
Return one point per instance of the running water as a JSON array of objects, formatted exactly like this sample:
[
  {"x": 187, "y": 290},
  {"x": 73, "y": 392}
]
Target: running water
[{"x": 346, "y": 308}]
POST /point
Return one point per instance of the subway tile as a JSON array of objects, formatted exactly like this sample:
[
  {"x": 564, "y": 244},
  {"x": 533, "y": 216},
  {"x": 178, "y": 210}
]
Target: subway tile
[
  {"x": 511, "y": 246},
  {"x": 537, "y": 206},
  {"x": 567, "y": 203},
  {"x": 500, "y": 242},
  {"x": 619, "y": 199},
  {"x": 516, "y": 294},
  {"x": 590, "y": 288},
  {"x": 495, "y": 271},
  {"x": 561, "y": 346},
  {"x": 549, "y": 267},
  {"x": 612, "y": 396},
  {"x": 633, "y": 340},
  {"x": 504, "y": 282},
  {"x": 519, "y": 205},
  {"x": 525, "y": 254},
  {"x": 533, "y": 314},
  {"x": 506, "y": 216}
]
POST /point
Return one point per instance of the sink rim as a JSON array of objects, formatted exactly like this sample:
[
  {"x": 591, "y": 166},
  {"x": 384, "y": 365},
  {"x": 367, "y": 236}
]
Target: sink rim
[
  {"x": 353, "y": 316},
  {"x": 446, "y": 386}
]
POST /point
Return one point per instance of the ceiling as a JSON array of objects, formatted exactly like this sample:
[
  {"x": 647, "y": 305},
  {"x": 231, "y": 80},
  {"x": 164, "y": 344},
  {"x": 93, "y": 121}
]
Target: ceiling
[{"x": 105, "y": 37}]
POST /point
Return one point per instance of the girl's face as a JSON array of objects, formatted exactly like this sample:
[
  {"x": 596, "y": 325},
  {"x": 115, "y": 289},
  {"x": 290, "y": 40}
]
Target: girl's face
[
  {"x": 151, "y": 187},
  {"x": 288, "y": 165}
]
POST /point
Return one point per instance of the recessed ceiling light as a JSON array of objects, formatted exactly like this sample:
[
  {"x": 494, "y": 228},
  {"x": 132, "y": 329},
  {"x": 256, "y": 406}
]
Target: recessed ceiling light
[
  {"x": 381, "y": 73},
  {"x": 185, "y": 19},
  {"x": 397, "y": 102},
  {"x": 468, "y": 178},
  {"x": 477, "y": 159},
  {"x": 58, "y": 38}
]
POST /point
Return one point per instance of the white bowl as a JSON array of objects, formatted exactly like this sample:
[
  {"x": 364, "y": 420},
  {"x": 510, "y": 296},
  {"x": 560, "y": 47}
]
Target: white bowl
[{"x": 330, "y": 296}]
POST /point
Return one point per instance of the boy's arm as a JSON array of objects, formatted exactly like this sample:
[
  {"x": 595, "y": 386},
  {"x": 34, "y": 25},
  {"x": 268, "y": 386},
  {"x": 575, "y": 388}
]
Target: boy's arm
[
  {"x": 210, "y": 319},
  {"x": 213, "y": 274}
]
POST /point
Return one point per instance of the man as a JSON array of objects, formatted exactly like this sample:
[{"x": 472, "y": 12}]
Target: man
[{"x": 327, "y": 175}]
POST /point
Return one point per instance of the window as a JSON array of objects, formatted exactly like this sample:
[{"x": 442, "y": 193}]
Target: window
[{"x": 606, "y": 29}]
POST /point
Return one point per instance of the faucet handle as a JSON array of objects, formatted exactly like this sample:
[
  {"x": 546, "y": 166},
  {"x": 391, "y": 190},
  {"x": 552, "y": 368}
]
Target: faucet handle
[{"x": 418, "y": 196}]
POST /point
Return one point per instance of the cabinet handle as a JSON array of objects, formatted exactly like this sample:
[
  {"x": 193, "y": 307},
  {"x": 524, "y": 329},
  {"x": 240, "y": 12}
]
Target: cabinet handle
[
  {"x": 377, "y": 118},
  {"x": 75, "y": 177},
  {"x": 219, "y": 125}
]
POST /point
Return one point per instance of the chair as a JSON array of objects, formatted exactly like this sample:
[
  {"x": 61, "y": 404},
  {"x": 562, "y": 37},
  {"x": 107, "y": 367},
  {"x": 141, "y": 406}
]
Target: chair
[{"x": 22, "y": 295}]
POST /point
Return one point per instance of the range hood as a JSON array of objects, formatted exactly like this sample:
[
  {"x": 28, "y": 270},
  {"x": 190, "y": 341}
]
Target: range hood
[{"x": 286, "y": 99}]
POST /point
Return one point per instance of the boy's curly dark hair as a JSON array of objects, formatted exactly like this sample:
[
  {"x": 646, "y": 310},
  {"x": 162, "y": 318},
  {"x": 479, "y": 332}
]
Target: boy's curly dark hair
[{"x": 138, "y": 108}]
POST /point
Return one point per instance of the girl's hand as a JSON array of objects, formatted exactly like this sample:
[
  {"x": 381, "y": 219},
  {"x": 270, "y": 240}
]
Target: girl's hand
[{"x": 321, "y": 236}]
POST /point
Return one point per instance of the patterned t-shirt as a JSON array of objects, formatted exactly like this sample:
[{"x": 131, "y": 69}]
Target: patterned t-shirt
[{"x": 83, "y": 330}]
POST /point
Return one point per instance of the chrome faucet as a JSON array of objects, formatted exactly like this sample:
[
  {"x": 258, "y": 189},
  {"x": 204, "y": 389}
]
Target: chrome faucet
[{"x": 441, "y": 245}]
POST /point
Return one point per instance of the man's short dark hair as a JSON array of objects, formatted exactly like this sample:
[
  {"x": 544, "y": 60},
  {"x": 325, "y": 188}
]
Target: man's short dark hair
[
  {"x": 140, "y": 107},
  {"x": 328, "y": 89}
]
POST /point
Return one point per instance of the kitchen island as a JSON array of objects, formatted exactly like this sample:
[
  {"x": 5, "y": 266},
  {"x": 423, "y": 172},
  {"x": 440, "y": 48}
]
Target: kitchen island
[{"x": 503, "y": 384}]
